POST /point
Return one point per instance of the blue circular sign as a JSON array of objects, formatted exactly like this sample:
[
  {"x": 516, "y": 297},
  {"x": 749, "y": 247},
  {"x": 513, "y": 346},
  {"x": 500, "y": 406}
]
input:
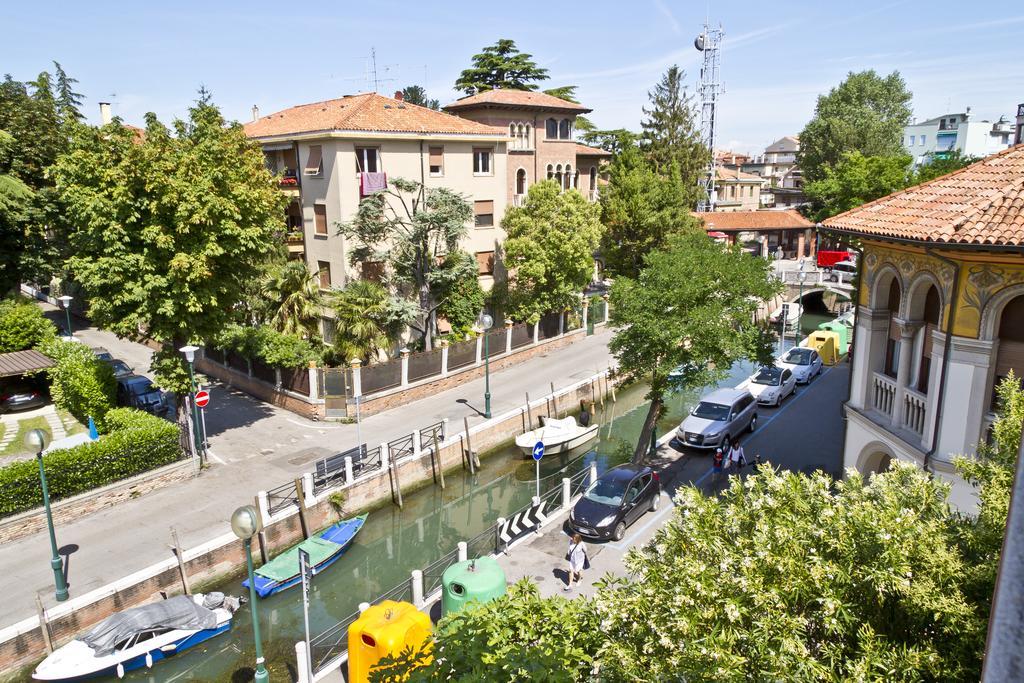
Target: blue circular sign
[{"x": 538, "y": 450}]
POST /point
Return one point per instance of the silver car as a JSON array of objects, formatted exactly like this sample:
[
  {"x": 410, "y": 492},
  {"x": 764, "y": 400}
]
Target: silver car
[{"x": 723, "y": 414}]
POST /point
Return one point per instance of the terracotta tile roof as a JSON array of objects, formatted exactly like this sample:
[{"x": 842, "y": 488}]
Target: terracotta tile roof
[
  {"x": 370, "y": 112},
  {"x": 981, "y": 204},
  {"x": 753, "y": 220},
  {"x": 520, "y": 99},
  {"x": 732, "y": 174},
  {"x": 585, "y": 151}
]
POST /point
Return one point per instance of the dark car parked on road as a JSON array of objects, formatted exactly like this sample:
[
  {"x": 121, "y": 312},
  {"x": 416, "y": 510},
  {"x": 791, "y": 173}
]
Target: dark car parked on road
[
  {"x": 135, "y": 391},
  {"x": 618, "y": 498},
  {"x": 20, "y": 395}
]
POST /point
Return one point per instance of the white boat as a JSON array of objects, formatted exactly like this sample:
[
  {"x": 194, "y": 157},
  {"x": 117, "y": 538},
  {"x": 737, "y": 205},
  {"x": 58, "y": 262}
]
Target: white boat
[
  {"x": 557, "y": 435},
  {"x": 791, "y": 312},
  {"x": 140, "y": 637}
]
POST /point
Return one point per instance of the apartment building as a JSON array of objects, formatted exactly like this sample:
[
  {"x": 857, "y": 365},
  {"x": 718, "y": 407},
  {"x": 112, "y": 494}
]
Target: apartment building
[
  {"x": 948, "y": 133},
  {"x": 331, "y": 154},
  {"x": 737, "y": 191},
  {"x": 540, "y": 131}
]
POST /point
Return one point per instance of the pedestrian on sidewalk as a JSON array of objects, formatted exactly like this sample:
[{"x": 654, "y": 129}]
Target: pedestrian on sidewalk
[
  {"x": 578, "y": 561},
  {"x": 736, "y": 457},
  {"x": 716, "y": 467}
]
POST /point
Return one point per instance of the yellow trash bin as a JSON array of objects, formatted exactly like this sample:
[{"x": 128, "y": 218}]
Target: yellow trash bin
[
  {"x": 384, "y": 630},
  {"x": 826, "y": 343}
]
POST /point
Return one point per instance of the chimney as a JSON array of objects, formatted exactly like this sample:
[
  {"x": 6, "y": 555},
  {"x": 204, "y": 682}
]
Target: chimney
[
  {"x": 105, "y": 117},
  {"x": 255, "y": 112},
  {"x": 398, "y": 95},
  {"x": 1019, "y": 137}
]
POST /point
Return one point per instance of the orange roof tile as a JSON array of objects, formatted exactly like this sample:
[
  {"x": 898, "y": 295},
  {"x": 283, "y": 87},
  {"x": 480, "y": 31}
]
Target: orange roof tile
[
  {"x": 520, "y": 99},
  {"x": 370, "y": 112},
  {"x": 585, "y": 151},
  {"x": 732, "y": 174},
  {"x": 981, "y": 204},
  {"x": 753, "y": 220}
]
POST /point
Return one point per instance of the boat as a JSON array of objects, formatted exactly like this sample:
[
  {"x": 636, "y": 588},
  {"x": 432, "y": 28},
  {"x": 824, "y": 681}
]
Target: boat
[
  {"x": 791, "y": 311},
  {"x": 140, "y": 637},
  {"x": 324, "y": 549},
  {"x": 557, "y": 435}
]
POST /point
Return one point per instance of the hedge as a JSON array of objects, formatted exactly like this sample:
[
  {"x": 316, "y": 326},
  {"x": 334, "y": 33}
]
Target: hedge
[
  {"x": 140, "y": 442},
  {"x": 22, "y": 325},
  {"x": 79, "y": 382}
]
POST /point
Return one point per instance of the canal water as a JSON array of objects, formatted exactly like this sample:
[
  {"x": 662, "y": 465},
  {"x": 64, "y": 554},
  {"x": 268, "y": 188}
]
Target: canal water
[{"x": 395, "y": 541}]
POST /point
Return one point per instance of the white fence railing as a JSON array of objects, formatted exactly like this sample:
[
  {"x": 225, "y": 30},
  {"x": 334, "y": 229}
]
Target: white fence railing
[
  {"x": 883, "y": 394},
  {"x": 915, "y": 411}
]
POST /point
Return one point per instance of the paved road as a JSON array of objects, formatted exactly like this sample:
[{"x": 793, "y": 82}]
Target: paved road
[
  {"x": 256, "y": 446},
  {"x": 803, "y": 434}
]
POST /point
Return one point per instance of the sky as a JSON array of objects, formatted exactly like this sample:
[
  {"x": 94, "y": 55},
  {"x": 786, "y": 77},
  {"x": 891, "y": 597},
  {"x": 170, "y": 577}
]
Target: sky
[{"x": 777, "y": 57}]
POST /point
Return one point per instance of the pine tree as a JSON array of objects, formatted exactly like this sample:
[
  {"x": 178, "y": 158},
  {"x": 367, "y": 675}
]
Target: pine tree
[
  {"x": 417, "y": 94},
  {"x": 68, "y": 101},
  {"x": 501, "y": 65},
  {"x": 669, "y": 133}
]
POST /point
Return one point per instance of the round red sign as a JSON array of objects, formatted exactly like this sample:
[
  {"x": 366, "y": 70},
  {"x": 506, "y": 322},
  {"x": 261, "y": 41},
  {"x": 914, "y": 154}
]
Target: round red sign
[{"x": 202, "y": 398}]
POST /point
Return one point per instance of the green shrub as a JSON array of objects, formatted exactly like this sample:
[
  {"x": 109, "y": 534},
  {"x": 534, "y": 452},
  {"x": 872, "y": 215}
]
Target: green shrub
[
  {"x": 23, "y": 325},
  {"x": 79, "y": 383},
  {"x": 140, "y": 442},
  {"x": 267, "y": 345}
]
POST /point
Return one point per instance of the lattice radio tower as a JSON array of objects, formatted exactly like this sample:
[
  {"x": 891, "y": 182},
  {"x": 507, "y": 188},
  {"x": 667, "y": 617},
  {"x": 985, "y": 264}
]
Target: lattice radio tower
[{"x": 709, "y": 43}]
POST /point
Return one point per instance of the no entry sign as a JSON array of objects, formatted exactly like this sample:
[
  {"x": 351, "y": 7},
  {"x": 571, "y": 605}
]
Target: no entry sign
[{"x": 202, "y": 398}]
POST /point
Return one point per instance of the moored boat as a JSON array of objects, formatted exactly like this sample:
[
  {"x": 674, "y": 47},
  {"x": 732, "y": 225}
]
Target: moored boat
[{"x": 557, "y": 435}]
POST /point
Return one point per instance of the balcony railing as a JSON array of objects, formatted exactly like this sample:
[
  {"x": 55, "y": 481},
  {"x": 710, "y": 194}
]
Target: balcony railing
[
  {"x": 883, "y": 393},
  {"x": 915, "y": 409},
  {"x": 289, "y": 178},
  {"x": 592, "y": 195},
  {"x": 518, "y": 199}
]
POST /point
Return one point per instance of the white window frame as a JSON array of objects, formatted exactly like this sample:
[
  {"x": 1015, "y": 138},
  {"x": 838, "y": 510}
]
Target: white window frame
[
  {"x": 431, "y": 173},
  {"x": 483, "y": 153},
  {"x": 361, "y": 159}
]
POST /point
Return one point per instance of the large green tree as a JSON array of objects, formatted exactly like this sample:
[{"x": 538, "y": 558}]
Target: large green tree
[
  {"x": 417, "y": 94},
  {"x": 865, "y": 113},
  {"x": 291, "y": 296},
  {"x": 670, "y": 135},
  {"x": 501, "y": 65},
  {"x": 549, "y": 251},
  {"x": 640, "y": 209},
  {"x": 941, "y": 164},
  {"x": 690, "y": 313},
  {"x": 415, "y": 231},
  {"x": 167, "y": 230},
  {"x": 857, "y": 179}
]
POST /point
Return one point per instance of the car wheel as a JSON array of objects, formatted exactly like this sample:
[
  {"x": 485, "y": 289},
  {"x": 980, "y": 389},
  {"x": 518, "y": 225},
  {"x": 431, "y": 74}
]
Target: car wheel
[
  {"x": 753, "y": 423},
  {"x": 619, "y": 532},
  {"x": 656, "y": 502}
]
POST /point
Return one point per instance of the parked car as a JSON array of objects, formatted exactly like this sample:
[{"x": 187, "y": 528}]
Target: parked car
[
  {"x": 805, "y": 364},
  {"x": 21, "y": 395},
  {"x": 139, "y": 392},
  {"x": 844, "y": 270},
  {"x": 102, "y": 354},
  {"x": 722, "y": 414},
  {"x": 770, "y": 385},
  {"x": 618, "y": 498}
]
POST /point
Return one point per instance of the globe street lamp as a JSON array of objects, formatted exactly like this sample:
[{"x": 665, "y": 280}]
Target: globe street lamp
[
  {"x": 65, "y": 301},
  {"x": 245, "y": 524},
  {"x": 36, "y": 440},
  {"x": 484, "y": 323},
  {"x": 190, "y": 356}
]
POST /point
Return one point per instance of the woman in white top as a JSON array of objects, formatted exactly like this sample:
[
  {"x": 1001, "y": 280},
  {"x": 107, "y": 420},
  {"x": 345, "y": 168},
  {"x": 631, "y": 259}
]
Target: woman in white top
[
  {"x": 577, "y": 557},
  {"x": 736, "y": 457}
]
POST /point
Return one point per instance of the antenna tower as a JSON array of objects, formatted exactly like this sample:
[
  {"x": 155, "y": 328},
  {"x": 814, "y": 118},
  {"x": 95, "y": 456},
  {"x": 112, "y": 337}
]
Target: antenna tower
[{"x": 709, "y": 43}]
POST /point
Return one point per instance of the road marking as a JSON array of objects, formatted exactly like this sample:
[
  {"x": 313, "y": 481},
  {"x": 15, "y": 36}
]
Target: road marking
[
  {"x": 797, "y": 397},
  {"x": 316, "y": 425},
  {"x": 210, "y": 454}
]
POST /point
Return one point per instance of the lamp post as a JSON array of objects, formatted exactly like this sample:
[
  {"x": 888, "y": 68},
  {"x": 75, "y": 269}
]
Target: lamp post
[
  {"x": 36, "y": 440},
  {"x": 190, "y": 356},
  {"x": 484, "y": 323},
  {"x": 800, "y": 303},
  {"x": 244, "y": 524},
  {"x": 65, "y": 301}
]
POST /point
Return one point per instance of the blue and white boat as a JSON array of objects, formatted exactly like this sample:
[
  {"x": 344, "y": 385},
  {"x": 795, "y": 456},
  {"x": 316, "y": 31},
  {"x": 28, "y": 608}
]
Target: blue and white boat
[
  {"x": 324, "y": 550},
  {"x": 140, "y": 637}
]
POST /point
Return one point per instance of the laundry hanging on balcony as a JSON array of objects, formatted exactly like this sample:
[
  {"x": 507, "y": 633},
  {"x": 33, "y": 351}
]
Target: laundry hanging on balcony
[{"x": 371, "y": 183}]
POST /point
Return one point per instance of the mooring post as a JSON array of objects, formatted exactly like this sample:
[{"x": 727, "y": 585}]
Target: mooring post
[
  {"x": 300, "y": 501},
  {"x": 436, "y": 455},
  {"x": 181, "y": 561},
  {"x": 499, "y": 524},
  {"x": 44, "y": 627},
  {"x": 612, "y": 382},
  {"x": 463, "y": 551},
  {"x": 261, "y": 537},
  {"x": 396, "y": 486},
  {"x": 416, "y": 579},
  {"x": 529, "y": 413},
  {"x": 554, "y": 399},
  {"x": 566, "y": 492},
  {"x": 470, "y": 455}
]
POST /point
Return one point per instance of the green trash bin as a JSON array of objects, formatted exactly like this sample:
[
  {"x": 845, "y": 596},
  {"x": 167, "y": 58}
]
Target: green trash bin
[
  {"x": 481, "y": 580},
  {"x": 842, "y": 330}
]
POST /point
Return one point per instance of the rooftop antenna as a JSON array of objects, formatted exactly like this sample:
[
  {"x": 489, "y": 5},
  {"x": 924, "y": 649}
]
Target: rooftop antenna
[
  {"x": 709, "y": 43},
  {"x": 373, "y": 66}
]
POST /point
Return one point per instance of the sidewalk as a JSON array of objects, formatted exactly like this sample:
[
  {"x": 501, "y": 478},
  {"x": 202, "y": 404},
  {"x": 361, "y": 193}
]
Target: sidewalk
[{"x": 256, "y": 446}]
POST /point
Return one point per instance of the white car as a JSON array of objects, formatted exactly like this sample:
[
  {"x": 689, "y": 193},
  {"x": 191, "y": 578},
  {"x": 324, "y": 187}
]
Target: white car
[
  {"x": 805, "y": 364},
  {"x": 770, "y": 385}
]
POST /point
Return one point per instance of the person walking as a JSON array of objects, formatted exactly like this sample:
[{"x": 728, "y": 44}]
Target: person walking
[
  {"x": 736, "y": 457},
  {"x": 577, "y": 558},
  {"x": 716, "y": 467}
]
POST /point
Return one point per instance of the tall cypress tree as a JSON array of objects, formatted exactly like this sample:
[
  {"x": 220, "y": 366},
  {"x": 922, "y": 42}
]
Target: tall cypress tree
[{"x": 670, "y": 134}]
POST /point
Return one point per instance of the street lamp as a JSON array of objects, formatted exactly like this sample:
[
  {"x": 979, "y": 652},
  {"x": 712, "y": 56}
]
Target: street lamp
[
  {"x": 245, "y": 524},
  {"x": 36, "y": 440},
  {"x": 800, "y": 310},
  {"x": 65, "y": 301},
  {"x": 484, "y": 323},
  {"x": 190, "y": 356}
]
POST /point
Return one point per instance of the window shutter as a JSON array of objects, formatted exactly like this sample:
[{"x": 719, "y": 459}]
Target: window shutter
[
  {"x": 483, "y": 206},
  {"x": 436, "y": 156},
  {"x": 320, "y": 214},
  {"x": 315, "y": 161},
  {"x": 485, "y": 262}
]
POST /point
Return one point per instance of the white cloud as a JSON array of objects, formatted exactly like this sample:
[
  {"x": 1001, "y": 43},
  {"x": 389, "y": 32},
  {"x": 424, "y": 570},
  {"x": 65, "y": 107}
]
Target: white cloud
[{"x": 667, "y": 13}]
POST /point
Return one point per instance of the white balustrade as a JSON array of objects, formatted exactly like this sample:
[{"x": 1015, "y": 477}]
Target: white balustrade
[
  {"x": 915, "y": 410},
  {"x": 884, "y": 393}
]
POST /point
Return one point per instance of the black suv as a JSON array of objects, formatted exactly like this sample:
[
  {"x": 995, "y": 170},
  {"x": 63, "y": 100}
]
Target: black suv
[
  {"x": 618, "y": 498},
  {"x": 135, "y": 391}
]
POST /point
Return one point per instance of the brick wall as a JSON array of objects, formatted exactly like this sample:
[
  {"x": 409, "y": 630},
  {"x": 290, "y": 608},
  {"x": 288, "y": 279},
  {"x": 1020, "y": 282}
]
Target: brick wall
[{"x": 261, "y": 390}]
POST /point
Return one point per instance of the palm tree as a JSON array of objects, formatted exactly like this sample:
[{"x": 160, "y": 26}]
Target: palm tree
[
  {"x": 293, "y": 300},
  {"x": 361, "y": 317}
]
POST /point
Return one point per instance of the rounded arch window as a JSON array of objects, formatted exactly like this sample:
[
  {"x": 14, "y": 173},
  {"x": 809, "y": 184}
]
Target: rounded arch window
[
  {"x": 521, "y": 181},
  {"x": 551, "y": 129},
  {"x": 593, "y": 178},
  {"x": 564, "y": 129},
  {"x": 551, "y": 172}
]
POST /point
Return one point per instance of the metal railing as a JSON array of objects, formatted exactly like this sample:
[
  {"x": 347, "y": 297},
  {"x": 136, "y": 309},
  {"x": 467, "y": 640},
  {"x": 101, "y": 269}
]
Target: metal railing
[
  {"x": 327, "y": 647},
  {"x": 371, "y": 462},
  {"x": 281, "y": 497},
  {"x": 434, "y": 571},
  {"x": 401, "y": 447},
  {"x": 428, "y": 433}
]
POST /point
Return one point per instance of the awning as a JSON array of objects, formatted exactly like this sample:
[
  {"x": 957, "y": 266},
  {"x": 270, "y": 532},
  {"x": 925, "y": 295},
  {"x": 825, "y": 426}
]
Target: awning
[
  {"x": 714, "y": 234},
  {"x": 22, "y": 362}
]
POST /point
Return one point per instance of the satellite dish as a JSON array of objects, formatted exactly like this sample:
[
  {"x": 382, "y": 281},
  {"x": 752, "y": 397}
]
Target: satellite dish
[{"x": 698, "y": 43}]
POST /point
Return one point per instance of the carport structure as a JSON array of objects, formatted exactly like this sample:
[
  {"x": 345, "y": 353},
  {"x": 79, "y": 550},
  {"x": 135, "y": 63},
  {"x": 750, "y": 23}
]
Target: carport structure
[{"x": 23, "y": 362}]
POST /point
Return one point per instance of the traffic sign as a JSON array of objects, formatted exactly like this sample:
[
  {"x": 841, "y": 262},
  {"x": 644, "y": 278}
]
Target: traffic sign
[
  {"x": 202, "y": 398},
  {"x": 538, "y": 450}
]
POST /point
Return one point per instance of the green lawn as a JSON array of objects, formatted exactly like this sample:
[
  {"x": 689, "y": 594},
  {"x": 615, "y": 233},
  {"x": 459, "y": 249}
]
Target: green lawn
[
  {"x": 71, "y": 425},
  {"x": 24, "y": 427}
]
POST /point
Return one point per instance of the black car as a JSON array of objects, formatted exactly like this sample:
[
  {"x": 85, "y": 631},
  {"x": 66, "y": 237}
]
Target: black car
[
  {"x": 618, "y": 498},
  {"x": 20, "y": 396},
  {"x": 139, "y": 392}
]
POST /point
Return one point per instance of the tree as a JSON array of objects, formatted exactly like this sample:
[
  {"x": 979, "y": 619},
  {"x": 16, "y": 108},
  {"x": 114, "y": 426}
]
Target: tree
[
  {"x": 669, "y": 133},
  {"x": 501, "y": 65},
  {"x": 582, "y": 124},
  {"x": 614, "y": 141},
  {"x": 16, "y": 199},
  {"x": 79, "y": 382},
  {"x": 292, "y": 299},
  {"x": 362, "y": 321},
  {"x": 23, "y": 325},
  {"x": 549, "y": 251},
  {"x": 411, "y": 229},
  {"x": 639, "y": 210},
  {"x": 167, "y": 230},
  {"x": 941, "y": 165},
  {"x": 462, "y": 299},
  {"x": 865, "y": 113},
  {"x": 68, "y": 102},
  {"x": 416, "y": 94},
  {"x": 858, "y": 179},
  {"x": 689, "y": 313}
]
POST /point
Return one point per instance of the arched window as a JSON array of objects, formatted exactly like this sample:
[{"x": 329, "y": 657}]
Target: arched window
[
  {"x": 521, "y": 181},
  {"x": 1010, "y": 355},
  {"x": 593, "y": 178},
  {"x": 563, "y": 129},
  {"x": 576, "y": 179},
  {"x": 567, "y": 178},
  {"x": 526, "y": 137},
  {"x": 558, "y": 174},
  {"x": 551, "y": 172},
  {"x": 892, "y": 347},
  {"x": 512, "y": 134},
  {"x": 551, "y": 129}
]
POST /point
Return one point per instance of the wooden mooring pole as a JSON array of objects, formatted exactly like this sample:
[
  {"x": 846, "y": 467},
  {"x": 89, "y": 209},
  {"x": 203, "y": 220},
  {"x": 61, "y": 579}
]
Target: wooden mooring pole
[
  {"x": 529, "y": 413},
  {"x": 300, "y": 499},
  {"x": 436, "y": 456},
  {"x": 261, "y": 537},
  {"x": 474, "y": 462},
  {"x": 554, "y": 399},
  {"x": 181, "y": 561},
  {"x": 44, "y": 627}
]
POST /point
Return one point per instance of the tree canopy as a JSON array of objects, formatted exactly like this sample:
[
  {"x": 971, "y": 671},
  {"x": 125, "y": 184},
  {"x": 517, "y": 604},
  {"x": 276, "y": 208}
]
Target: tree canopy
[
  {"x": 501, "y": 65},
  {"x": 291, "y": 297},
  {"x": 857, "y": 179},
  {"x": 940, "y": 165},
  {"x": 549, "y": 250},
  {"x": 670, "y": 135},
  {"x": 417, "y": 94}
]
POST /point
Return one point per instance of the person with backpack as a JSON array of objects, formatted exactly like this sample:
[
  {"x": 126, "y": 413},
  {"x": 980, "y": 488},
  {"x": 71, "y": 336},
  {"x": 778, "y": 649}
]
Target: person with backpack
[{"x": 578, "y": 561}]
